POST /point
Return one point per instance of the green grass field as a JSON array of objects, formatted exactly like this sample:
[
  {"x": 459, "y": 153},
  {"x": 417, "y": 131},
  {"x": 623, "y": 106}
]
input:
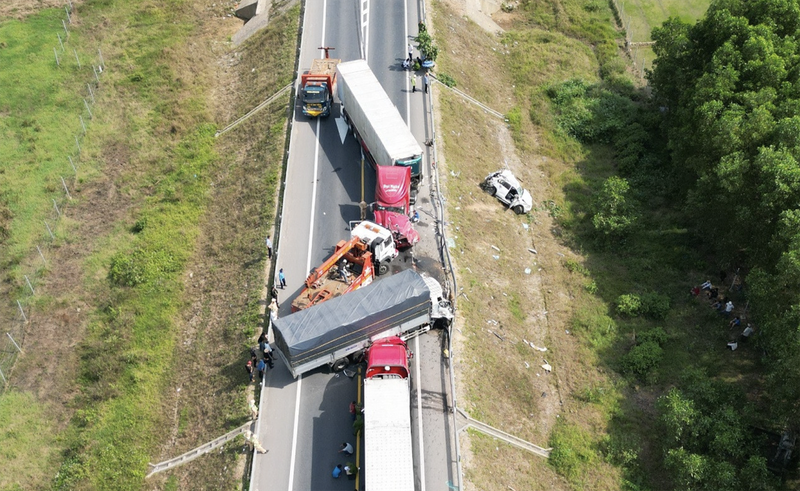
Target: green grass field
[
  {"x": 41, "y": 105},
  {"x": 639, "y": 17}
]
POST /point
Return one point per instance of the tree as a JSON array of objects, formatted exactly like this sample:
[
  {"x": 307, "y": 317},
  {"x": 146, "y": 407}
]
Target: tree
[{"x": 614, "y": 211}]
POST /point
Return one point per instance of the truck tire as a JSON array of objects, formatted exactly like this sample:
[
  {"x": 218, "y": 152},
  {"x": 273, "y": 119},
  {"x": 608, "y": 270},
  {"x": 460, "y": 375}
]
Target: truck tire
[
  {"x": 383, "y": 268},
  {"x": 340, "y": 364},
  {"x": 491, "y": 190},
  {"x": 518, "y": 210}
]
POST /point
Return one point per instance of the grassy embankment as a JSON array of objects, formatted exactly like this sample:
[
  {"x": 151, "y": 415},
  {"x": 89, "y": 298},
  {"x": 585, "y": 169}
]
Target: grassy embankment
[
  {"x": 152, "y": 135},
  {"x": 603, "y": 425}
]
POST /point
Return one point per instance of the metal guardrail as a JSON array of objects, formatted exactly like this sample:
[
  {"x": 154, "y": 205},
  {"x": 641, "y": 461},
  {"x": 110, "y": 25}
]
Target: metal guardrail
[
  {"x": 471, "y": 99},
  {"x": 259, "y": 107},
  {"x": 197, "y": 452},
  {"x": 502, "y": 435}
]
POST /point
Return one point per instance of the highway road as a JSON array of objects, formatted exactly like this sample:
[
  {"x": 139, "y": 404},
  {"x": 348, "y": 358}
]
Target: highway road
[{"x": 303, "y": 422}]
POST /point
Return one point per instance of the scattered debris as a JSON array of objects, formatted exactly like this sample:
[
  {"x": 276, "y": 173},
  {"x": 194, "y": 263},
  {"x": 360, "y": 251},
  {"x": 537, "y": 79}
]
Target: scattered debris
[
  {"x": 498, "y": 336},
  {"x": 496, "y": 248},
  {"x": 495, "y": 257},
  {"x": 526, "y": 364},
  {"x": 531, "y": 250},
  {"x": 492, "y": 321},
  {"x": 451, "y": 243},
  {"x": 527, "y": 270},
  {"x": 547, "y": 367},
  {"x": 560, "y": 254},
  {"x": 525, "y": 226}
]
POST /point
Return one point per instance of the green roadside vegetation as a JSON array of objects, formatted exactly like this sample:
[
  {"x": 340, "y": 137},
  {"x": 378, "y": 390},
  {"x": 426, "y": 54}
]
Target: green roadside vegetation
[
  {"x": 40, "y": 104},
  {"x": 644, "y": 193},
  {"x": 152, "y": 204}
]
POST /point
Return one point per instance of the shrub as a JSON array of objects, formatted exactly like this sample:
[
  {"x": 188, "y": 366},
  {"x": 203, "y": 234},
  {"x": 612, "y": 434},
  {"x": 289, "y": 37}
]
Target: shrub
[
  {"x": 656, "y": 335},
  {"x": 446, "y": 80},
  {"x": 642, "y": 358},
  {"x": 629, "y": 304},
  {"x": 655, "y": 305},
  {"x": 572, "y": 450},
  {"x": 614, "y": 212}
]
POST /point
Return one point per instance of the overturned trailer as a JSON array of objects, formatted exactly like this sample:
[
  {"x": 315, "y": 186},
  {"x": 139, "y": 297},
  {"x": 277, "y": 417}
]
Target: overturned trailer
[{"x": 337, "y": 332}]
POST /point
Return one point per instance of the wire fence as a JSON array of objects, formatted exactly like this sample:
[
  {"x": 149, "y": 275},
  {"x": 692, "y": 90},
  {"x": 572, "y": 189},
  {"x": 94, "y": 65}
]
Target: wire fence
[
  {"x": 12, "y": 342},
  {"x": 639, "y": 50}
]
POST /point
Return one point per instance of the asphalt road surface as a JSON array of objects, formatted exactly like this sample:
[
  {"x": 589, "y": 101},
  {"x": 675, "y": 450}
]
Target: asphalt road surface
[{"x": 303, "y": 422}]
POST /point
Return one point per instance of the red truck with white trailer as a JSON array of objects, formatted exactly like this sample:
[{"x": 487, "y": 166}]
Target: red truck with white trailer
[
  {"x": 388, "y": 456},
  {"x": 392, "y": 206}
]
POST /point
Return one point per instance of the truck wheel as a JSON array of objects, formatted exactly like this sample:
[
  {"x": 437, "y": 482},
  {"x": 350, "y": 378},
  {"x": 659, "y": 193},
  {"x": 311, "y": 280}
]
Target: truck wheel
[
  {"x": 491, "y": 190},
  {"x": 382, "y": 269},
  {"x": 340, "y": 364},
  {"x": 518, "y": 210}
]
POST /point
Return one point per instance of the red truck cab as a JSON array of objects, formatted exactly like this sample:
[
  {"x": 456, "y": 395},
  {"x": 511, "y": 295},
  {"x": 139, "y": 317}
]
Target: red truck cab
[
  {"x": 393, "y": 204},
  {"x": 388, "y": 357}
]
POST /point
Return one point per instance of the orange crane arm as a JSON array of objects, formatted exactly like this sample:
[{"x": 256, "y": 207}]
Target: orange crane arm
[{"x": 342, "y": 248}]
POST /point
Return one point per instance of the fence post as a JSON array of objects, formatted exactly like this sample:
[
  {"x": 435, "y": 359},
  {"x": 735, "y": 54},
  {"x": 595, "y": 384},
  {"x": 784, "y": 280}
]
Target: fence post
[
  {"x": 49, "y": 230},
  {"x": 55, "y": 52},
  {"x": 83, "y": 125},
  {"x": 55, "y": 205},
  {"x": 60, "y": 41},
  {"x": 72, "y": 164},
  {"x": 29, "y": 284},
  {"x": 65, "y": 189},
  {"x": 90, "y": 112},
  {"x": 12, "y": 340},
  {"x": 43, "y": 260},
  {"x": 91, "y": 93},
  {"x": 69, "y": 18},
  {"x": 76, "y": 57},
  {"x": 78, "y": 144},
  {"x": 22, "y": 311}
]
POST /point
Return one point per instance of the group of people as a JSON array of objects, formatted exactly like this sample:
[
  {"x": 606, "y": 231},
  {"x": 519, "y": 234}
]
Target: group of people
[
  {"x": 258, "y": 363},
  {"x": 349, "y": 469},
  {"x": 725, "y": 307}
]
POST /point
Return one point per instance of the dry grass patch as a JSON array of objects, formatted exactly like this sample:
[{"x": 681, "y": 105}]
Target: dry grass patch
[{"x": 501, "y": 308}]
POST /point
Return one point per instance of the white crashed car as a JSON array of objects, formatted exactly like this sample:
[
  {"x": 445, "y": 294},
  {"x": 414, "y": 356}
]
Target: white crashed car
[{"x": 505, "y": 187}]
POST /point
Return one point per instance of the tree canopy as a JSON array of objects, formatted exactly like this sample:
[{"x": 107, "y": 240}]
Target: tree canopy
[{"x": 730, "y": 91}]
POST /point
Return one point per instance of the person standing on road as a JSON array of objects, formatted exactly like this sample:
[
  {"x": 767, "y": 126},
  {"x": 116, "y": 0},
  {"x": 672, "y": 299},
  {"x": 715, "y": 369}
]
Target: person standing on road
[
  {"x": 269, "y": 248},
  {"x": 352, "y": 408},
  {"x": 261, "y": 367},
  {"x": 426, "y": 81},
  {"x": 253, "y": 409},
  {"x": 282, "y": 279},
  {"x": 413, "y": 78},
  {"x": 410, "y": 53}
]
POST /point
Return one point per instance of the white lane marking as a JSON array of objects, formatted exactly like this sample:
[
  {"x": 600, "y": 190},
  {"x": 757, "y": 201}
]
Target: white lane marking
[
  {"x": 419, "y": 416},
  {"x": 365, "y": 27},
  {"x": 293, "y": 458},
  {"x": 342, "y": 128},
  {"x": 294, "y": 432},
  {"x": 405, "y": 36}
]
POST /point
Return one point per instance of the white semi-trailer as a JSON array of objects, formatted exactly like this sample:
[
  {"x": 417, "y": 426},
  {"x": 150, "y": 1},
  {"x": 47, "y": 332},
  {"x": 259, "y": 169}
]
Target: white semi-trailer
[{"x": 375, "y": 121}]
